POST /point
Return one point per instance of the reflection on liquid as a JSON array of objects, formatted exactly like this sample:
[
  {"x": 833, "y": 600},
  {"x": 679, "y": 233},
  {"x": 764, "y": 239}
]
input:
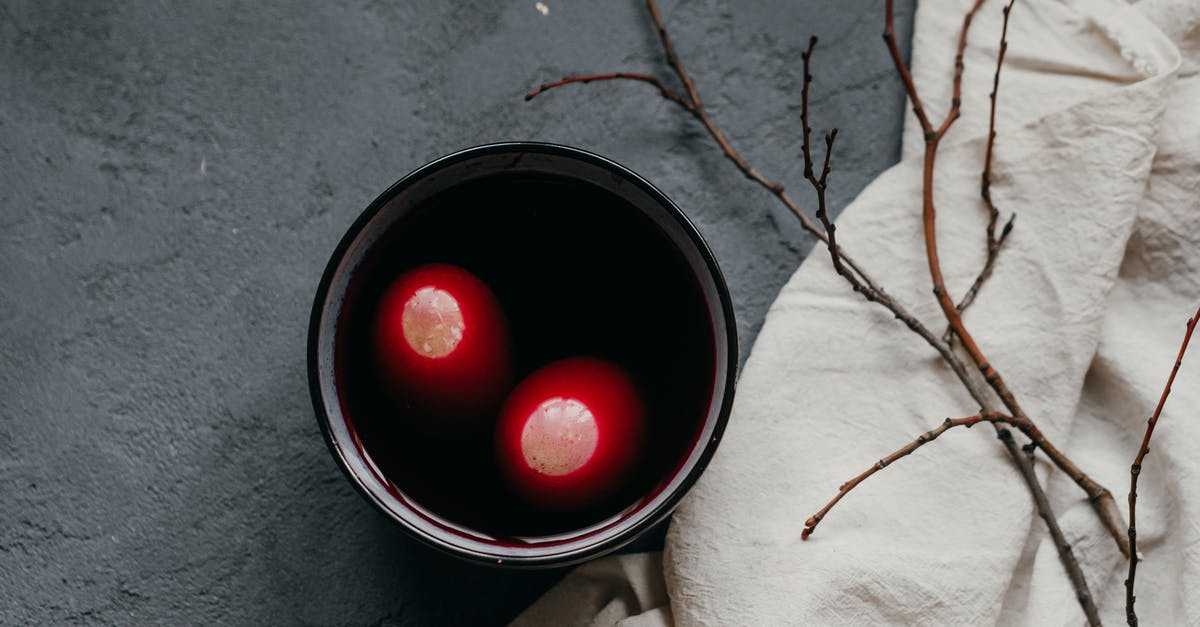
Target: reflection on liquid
[
  {"x": 559, "y": 437},
  {"x": 433, "y": 322}
]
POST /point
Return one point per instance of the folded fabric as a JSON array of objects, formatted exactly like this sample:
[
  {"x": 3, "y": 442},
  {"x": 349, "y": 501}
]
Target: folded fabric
[{"x": 1099, "y": 155}]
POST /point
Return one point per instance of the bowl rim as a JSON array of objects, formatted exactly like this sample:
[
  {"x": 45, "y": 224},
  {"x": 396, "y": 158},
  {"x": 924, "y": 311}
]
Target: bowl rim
[{"x": 647, "y": 520}]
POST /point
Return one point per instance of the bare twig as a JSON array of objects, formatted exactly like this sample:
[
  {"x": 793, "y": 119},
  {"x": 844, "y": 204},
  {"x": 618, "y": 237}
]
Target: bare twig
[
  {"x": 634, "y": 76},
  {"x": 889, "y": 37},
  {"x": 993, "y": 243},
  {"x": 1136, "y": 470},
  {"x": 819, "y": 182},
  {"x": 1043, "y": 505},
  {"x": 985, "y": 187},
  {"x": 954, "y": 319},
  {"x": 859, "y": 280},
  {"x": 702, "y": 114},
  {"x": 956, "y": 98},
  {"x": 810, "y": 525},
  {"x": 1065, "y": 554},
  {"x": 984, "y": 273},
  {"x": 1099, "y": 496}
]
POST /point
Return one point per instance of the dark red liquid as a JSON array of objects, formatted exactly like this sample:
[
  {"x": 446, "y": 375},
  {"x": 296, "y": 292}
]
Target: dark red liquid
[
  {"x": 579, "y": 272},
  {"x": 570, "y": 432},
  {"x": 441, "y": 346}
]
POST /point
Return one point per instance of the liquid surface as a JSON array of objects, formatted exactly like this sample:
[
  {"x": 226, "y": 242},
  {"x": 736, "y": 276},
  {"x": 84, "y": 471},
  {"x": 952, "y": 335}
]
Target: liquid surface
[{"x": 578, "y": 272}]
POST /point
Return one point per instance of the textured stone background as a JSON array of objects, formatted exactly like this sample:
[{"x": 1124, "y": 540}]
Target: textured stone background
[{"x": 173, "y": 176}]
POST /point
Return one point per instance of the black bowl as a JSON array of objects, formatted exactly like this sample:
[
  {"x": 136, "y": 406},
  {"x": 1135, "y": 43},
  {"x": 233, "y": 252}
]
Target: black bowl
[{"x": 587, "y": 258}]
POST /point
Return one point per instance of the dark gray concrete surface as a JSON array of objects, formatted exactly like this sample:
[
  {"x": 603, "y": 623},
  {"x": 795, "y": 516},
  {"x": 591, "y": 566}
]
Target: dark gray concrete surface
[{"x": 173, "y": 177}]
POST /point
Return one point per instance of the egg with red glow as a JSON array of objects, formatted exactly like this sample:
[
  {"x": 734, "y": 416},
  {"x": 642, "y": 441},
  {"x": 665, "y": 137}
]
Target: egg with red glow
[
  {"x": 570, "y": 433},
  {"x": 442, "y": 346}
]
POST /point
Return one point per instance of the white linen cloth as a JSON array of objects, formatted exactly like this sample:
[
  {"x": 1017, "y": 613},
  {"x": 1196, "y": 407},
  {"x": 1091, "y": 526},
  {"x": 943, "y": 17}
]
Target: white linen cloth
[{"x": 1099, "y": 155}]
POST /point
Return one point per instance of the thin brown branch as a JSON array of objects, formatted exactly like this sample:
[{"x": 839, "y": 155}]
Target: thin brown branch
[
  {"x": 956, "y": 98},
  {"x": 889, "y": 37},
  {"x": 1099, "y": 496},
  {"x": 701, "y": 113},
  {"x": 985, "y": 273},
  {"x": 819, "y": 182},
  {"x": 1024, "y": 463},
  {"x": 829, "y": 139},
  {"x": 860, "y": 281},
  {"x": 992, "y": 243},
  {"x": 806, "y": 146},
  {"x": 1136, "y": 469},
  {"x": 609, "y": 76},
  {"x": 810, "y": 525},
  {"x": 1065, "y": 554},
  {"x": 985, "y": 187},
  {"x": 1043, "y": 504}
]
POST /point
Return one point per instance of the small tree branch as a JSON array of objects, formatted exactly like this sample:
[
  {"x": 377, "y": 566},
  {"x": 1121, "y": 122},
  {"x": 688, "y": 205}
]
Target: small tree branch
[
  {"x": 953, "y": 317},
  {"x": 1065, "y": 554},
  {"x": 956, "y": 98},
  {"x": 1136, "y": 470},
  {"x": 806, "y": 146},
  {"x": 1042, "y": 504},
  {"x": 810, "y": 525},
  {"x": 858, "y": 279},
  {"x": 1099, "y": 496},
  {"x": 985, "y": 187},
  {"x": 819, "y": 182},
  {"x": 993, "y": 243},
  {"x": 984, "y": 273},
  {"x": 634, "y": 76},
  {"x": 702, "y": 114},
  {"x": 889, "y": 38}
]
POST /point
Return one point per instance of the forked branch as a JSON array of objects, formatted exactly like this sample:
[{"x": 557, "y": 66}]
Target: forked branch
[
  {"x": 1099, "y": 496},
  {"x": 858, "y": 279},
  {"x": 993, "y": 243},
  {"x": 1043, "y": 506},
  {"x": 810, "y": 525},
  {"x": 1136, "y": 470},
  {"x": 1101, "y": 499}
]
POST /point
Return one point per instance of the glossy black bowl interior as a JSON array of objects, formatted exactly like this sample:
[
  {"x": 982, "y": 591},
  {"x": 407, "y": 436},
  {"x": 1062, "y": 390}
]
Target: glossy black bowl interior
[{"x": 587, "y": 258}]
